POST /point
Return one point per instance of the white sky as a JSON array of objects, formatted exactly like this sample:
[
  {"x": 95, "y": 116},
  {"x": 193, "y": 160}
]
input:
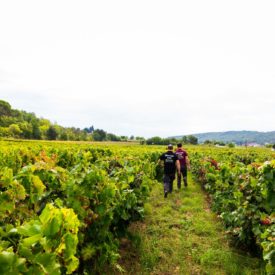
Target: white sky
[{"x": 141, "y": 67}]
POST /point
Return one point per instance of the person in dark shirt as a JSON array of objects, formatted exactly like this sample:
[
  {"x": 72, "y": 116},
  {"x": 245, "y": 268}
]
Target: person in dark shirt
[
  {"x": 171, "y": 163},
  {"x": 184, "y": 164}
]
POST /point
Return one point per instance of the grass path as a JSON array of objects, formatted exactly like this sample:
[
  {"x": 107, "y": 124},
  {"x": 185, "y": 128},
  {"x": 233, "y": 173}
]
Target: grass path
[{"x": 180, "y": 235}]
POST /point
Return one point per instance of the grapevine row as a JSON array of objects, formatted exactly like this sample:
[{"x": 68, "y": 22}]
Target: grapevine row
[
  {"x": 63, "y": 210},
  {"x": 242, "y": 190}
]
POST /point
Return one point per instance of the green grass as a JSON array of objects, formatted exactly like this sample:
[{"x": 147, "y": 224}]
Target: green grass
[{"x": 180, "y": 235}]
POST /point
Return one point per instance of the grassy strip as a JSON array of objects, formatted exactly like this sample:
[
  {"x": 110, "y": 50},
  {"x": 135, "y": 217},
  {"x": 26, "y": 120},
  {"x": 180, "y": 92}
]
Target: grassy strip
[{"x": 180, "y": 235}]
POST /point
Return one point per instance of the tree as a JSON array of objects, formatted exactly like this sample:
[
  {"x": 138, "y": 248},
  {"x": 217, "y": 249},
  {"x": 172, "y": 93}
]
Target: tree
[
  {"x": 124, "y": 138},
  {"x": 44, "y": 125},
  {"x": 26, "y": 125},
  {"x": 52, "y": 133},
  {"x": 99, "y": 135},
  {"x": 5, "y": 108},
  {"x": 15, "y": 130},
  {"x": 112, "y": 137},
  {"x": 89, "y": 130},
  {"x": 208, "y": 141},
  {"x": 154, "y": 140},
  {"x": 6, "y": 121},
  {"x": 192, "y": 139},
  {"x": 140, "y": 138},
  {"x": 4, "y": 131},
  {"x": 184, "y": 139},
  {"x": 83, "y": 136},
  {"x": 26, "y": 129},
  {"x": 167, "y": 141},
  {"x": 217, "y": 142},
  {"x": 36, "y": 134},
  {"x": 63, "y": 135}
]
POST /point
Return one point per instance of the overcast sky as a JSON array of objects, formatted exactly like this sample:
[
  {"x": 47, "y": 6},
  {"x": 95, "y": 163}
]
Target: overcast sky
[{"x": 141, "y": 67}]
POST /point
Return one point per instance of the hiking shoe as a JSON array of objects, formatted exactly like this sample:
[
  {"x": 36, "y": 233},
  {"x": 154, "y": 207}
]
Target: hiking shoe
[{"x": 165, "y": 194}]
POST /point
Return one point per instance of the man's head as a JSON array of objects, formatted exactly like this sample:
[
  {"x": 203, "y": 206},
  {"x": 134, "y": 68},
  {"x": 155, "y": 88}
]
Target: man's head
[
  {"x": 170, "y": 147},
  {"x": 179, "y": 145}
]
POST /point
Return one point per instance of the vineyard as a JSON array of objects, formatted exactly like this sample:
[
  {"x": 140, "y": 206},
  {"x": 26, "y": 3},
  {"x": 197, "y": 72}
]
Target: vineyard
[
  {"x": 64, "y": 207},
  {"x": 242, "y": 190}
]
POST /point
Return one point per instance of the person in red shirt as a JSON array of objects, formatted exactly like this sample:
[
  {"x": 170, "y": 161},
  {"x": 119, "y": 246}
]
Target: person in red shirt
[{"x": 184, "y": 164}]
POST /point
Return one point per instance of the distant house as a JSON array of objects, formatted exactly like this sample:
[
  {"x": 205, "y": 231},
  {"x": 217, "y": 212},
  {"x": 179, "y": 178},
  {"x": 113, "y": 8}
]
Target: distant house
[{"x": 253, "y": 144}]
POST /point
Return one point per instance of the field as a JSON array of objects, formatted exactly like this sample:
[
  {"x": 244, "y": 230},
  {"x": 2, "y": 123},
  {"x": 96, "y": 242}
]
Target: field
[{"x": 84, "y": 208}]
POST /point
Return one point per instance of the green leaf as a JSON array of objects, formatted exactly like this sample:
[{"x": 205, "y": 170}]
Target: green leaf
[
  {"x": 71, "y": 244},
  {"x": 30, "y": 229},
  {"x": 11, "y": 264},
  {"x": 19, "y": 192},
  {"x": 7, "y": 176},
  {"x": 53, "y": 226},
  {"x": 88, "y": 252},
  {"x": 101, "y": 209},
  {"x": 270, "y": 255},
  {"x": 49, "y": 263},
  {"x": 37, "y": 189},
  {"x": 4, "y": 245},
  {"x": 46, "y": 214},
  {"x": 31, "y": 240},
  {"x": 72, "y": 265},
  {"x": 7, "y": 260},
  {"x": 131, "y": 178},
  {"x": 25, "y": 252}
]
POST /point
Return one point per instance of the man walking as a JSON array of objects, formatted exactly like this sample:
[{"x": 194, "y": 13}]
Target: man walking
[
  {"x": 171, "y": 162},
  {"x": 184, "y": 164}
]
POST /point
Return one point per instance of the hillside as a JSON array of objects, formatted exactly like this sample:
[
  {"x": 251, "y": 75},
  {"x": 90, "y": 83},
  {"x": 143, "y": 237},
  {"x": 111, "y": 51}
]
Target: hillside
[
  {"x": 24, "y": 125},
  {"x": 238, "y": 137}
]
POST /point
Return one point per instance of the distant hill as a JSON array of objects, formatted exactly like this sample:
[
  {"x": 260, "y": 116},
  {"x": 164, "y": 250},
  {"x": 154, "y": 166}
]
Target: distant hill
[{"x": 238, "y": 137}]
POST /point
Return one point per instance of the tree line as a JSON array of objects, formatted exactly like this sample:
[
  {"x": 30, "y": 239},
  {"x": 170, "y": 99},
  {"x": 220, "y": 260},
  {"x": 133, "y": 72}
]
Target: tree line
[
  {"x": 190, "y": 139},
  {"x": 24, "y": 125}
]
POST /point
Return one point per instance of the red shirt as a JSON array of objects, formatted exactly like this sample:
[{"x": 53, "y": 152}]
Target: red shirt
[{"x": 182, "y": 154}]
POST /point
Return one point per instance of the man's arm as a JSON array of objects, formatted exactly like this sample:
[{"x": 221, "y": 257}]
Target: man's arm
[
  {"x": 160, "y": 160},
  {"x": 178, "y": 166},
  {"x": 188, "y": 163}
]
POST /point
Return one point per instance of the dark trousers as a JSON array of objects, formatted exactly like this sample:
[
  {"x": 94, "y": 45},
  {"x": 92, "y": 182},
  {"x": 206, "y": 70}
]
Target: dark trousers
[
  {"x": 183, "y": 172},
  {"x": 168, "y": 182}
]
